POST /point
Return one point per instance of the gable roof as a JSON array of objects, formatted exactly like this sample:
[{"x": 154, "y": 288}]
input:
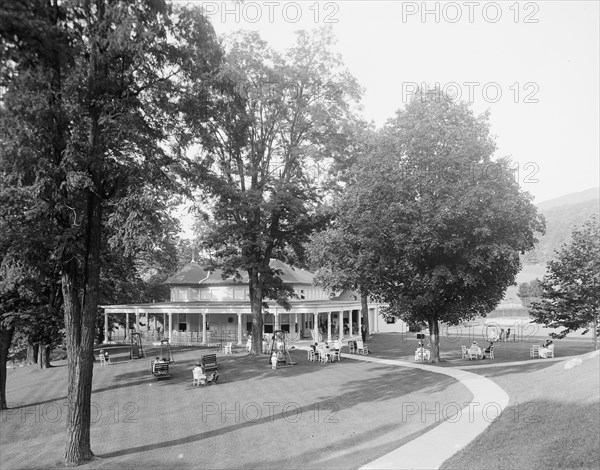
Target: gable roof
[{"x": 193, "y": 274}]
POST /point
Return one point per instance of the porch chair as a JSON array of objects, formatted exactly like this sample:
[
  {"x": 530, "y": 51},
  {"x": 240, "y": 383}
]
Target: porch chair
[
  {"x": 491, "y": 352},
  {"x": 227, "y": 348},
  {"x": 311, "y": 354},
  {"x": 465, "y": 353},
  {"x": 103, "y": 361},
  {"x": 361, "y": 347},
  {"x": 352, "y": 347},
  {"x": 534, "y": 351}
]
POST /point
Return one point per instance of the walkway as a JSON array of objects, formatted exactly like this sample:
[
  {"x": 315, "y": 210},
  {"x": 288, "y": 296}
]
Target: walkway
[{"x": 433, "y": 448}]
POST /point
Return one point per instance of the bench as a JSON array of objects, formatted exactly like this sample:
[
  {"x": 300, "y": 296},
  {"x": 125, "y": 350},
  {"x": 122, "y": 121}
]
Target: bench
[
  {"x": 209, "y": 362},
  {"x": 160, "y": 370}
]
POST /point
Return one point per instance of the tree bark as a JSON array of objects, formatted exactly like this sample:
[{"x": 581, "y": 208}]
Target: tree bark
[
  {"x": 256, "y": 298},
  {"x": 32, "y": 353},
  {"x": 364, "y": 303},
  {"x": 6, "y": 335},
  {"x": 44, "y": 356},
  {"x": 434, "y": 337}
]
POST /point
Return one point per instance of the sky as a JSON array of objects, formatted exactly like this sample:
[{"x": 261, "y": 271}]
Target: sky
[{"x": 534, "y": 65}]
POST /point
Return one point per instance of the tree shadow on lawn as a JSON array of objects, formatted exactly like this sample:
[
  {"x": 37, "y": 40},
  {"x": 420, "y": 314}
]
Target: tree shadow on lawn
[{"x": 373, "y": 384}]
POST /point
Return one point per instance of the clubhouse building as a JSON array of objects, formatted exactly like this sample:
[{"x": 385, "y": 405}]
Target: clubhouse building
[{"x": 206, "y": 308}]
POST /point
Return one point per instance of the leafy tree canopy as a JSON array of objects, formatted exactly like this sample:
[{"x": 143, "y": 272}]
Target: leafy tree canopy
[{"x": 570, "y": 291}]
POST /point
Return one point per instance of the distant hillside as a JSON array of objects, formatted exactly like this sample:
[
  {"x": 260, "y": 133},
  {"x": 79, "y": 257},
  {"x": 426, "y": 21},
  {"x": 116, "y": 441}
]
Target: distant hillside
[
  {"x": 573, "y": 198},
  {"x": 562, "y": 215}
]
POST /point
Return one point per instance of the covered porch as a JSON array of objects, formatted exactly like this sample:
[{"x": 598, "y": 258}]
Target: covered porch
[{"x": 212, "y": 322}]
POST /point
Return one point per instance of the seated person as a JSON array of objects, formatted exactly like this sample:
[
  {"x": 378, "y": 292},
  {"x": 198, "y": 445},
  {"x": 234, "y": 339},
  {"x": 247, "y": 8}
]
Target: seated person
[
  {"x": 547, "y": 349},
  {"x": 158, "y": 360},
  {"x": 199, "y": 373},
  {"x": 474, "y": 349},
  {"x": 487, "y": 350},
  {"x": 104, "y": 354}
]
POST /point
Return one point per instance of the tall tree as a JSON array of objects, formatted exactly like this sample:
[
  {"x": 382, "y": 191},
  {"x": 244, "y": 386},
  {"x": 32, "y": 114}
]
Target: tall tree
[
  {"x": 90, "y": 119},
  {"x": 439, "y": 225},
  {"x": 570, "y": 296},
  {"x": 263, "y": 176}
]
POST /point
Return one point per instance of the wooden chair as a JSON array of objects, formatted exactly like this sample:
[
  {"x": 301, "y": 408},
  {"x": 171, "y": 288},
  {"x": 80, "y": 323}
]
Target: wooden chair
[
  {"x": 534, "y": 351},
  {"x": 361, "y": 348},
  {"x": 465, "y": 354},
  {"x": 227, "y": 348},
  {"x": 311, "y": 354},
  {"x": 102, "y": 360},
  {"x": 491, "y": 352},
  {"x": 160, "y": 370},
  {"x": 209, "y": 362},
  {"x": 351, "y": 347}
]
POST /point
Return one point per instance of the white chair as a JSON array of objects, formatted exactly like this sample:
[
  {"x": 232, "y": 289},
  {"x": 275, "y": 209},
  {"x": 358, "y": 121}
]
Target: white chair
[
  {"x": 361, "y": 348},
  {"x": 311, "y": 354},
  {"x": 199, "y": 377},
  {"x": 227, "y": 348},
  {"x": 465, "y": 354},
  {"x": 473, "y": 352},
  {"x": 249, "y": 345},
  {"x": 534, "y": 351},
  {"x": 102, "y": 360}
]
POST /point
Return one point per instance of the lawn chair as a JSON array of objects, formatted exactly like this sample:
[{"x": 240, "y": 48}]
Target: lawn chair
[
  {"x": 199, "y": 377},
  {"x": 351, "y": 347},
  {"x": 473, "y": 352},
  {"x": 103, "y": 360},
  {"x": 227, "y": 348},
  {"x": 465, "y": 353},
  {"x": 534, "y": 351},
  {"x": 336, "y": 350},
  {"x": 361, "y": 347},
  {"x": 491, "y": 352}
]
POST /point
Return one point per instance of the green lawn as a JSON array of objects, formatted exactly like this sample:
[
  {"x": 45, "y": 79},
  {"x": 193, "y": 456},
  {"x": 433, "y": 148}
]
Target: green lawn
[
  {"x": 552, "y": 421},
  {"x": 310, "y": 415}
]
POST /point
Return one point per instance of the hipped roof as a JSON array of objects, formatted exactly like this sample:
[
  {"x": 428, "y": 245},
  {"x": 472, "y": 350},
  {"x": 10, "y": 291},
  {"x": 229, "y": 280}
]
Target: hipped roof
[{"x": 194, "y": 274}]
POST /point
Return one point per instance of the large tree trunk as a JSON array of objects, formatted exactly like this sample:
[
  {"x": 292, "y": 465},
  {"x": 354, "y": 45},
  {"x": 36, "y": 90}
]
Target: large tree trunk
[
  {"x": 256, "y": 299},
  {"x": 364, "y": 299},
  {"x": 6, "y": 335},
  {"x": 32, "y": 353},
  {"x": 44, "y": 356},
  {"x": 434, "y": 337}
]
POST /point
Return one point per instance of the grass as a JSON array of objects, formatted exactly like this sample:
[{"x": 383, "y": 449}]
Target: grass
[
  {"x": 552, "y": 421},
  {"x": 310, "y": 415}
]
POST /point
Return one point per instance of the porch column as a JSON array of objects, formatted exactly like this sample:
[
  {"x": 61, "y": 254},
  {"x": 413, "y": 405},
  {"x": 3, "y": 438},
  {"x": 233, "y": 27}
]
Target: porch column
[
  {"x": 328, "y": 326},
  {"x": 341, "y": 326},
  {"x": 105, "y": 326},
  {"x": 204, "y": 327},
  {"x": 126, "y": 325},
  {"x": 137, "y": 321},
  {"x": 276, "y": 320},
  {"x": 170, "y": 325},
  {"x": 316, "y": 326},
  {"x": 164, "y": 324},
  {"x": 296, "y": 328},
  {"x": 239, "y": 332}
]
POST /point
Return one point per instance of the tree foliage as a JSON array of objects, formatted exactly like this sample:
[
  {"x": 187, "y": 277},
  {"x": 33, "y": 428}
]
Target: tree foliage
[
  {"x": 92, "y": 118},
  {"x": 267, "y": 153},
  {"x": 570, "y": 291},
  {"x": 433, "y": 224}
]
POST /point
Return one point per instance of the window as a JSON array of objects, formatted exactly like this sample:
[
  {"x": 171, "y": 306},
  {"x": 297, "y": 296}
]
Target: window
[{"x": 390, "y": 320}]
